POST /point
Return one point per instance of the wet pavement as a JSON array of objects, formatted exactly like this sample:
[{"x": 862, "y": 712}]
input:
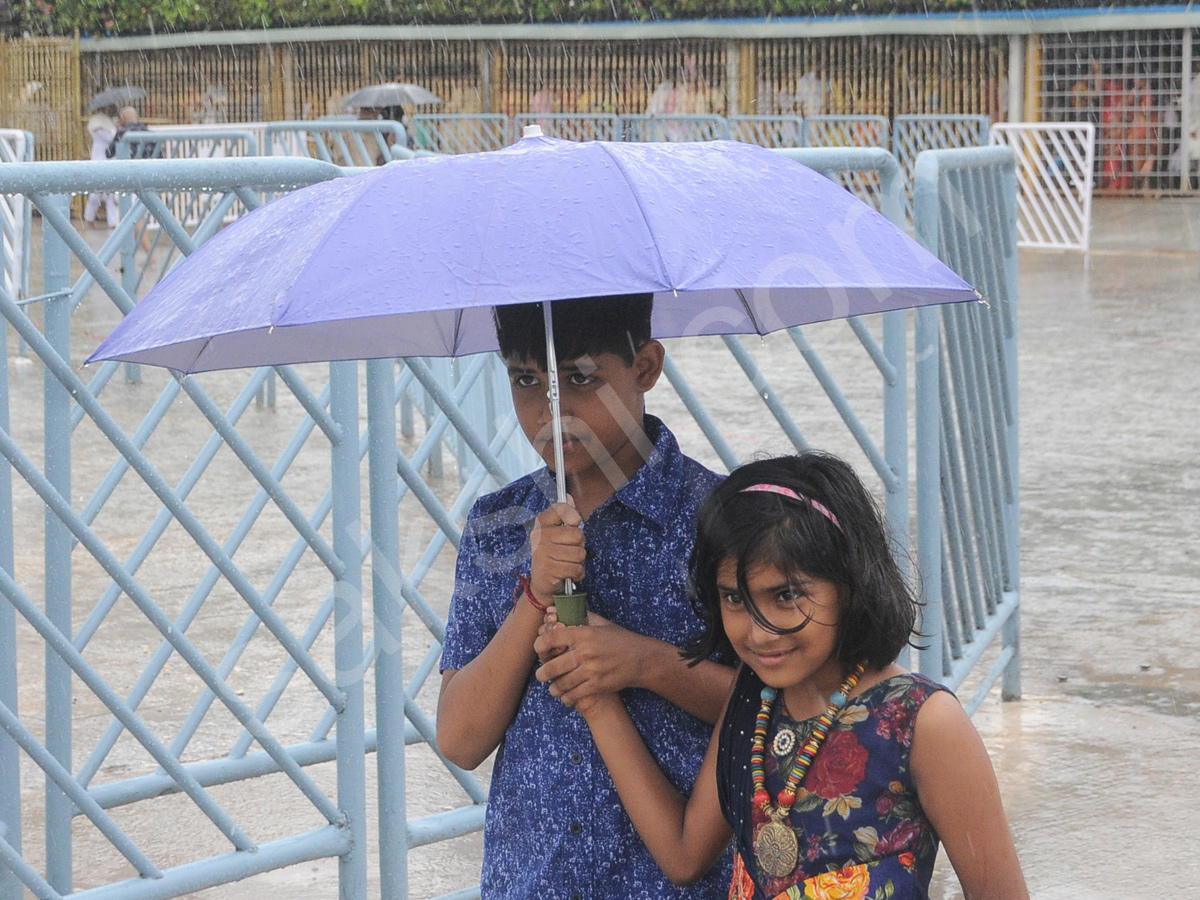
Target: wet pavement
[{"x": 1096, "y": 760}]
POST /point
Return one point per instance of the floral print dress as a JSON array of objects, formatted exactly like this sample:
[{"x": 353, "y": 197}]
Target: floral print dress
[{"x": 862, "y": 833}]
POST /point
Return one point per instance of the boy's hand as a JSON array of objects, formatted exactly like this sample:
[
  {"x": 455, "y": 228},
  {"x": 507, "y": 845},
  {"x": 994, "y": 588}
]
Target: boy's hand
[
  {"x": 597, "y": 658},
  {"x": 558, "y": 551}
]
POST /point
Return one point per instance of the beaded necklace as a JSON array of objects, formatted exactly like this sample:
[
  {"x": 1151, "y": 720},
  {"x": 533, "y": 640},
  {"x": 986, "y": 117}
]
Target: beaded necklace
[{"x": 775, "y": 845}]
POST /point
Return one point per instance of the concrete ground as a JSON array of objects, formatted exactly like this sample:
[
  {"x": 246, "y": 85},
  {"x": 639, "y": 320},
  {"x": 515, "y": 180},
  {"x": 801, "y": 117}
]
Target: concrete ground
[{"x": 1097, "y": 760}]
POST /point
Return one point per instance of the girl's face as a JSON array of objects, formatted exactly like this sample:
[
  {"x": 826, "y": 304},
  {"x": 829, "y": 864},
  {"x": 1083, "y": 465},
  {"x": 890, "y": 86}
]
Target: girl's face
[{"x": 782, "y": 660}]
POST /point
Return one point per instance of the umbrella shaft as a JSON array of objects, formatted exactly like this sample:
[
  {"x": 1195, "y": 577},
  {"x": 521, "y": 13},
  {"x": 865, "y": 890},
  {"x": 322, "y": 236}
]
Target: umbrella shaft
[{"x": 560, "y": 477}]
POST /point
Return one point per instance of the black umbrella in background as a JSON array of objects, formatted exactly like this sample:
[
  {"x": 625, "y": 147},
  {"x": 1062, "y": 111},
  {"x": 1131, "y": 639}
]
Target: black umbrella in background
[
  {"x": 392, "y": 93},
  {"x": 115, "y": 96}
]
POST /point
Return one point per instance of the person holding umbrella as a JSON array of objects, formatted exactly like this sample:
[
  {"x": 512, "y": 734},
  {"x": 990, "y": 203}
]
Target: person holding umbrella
[
  {"x": 387, "y": 101},
  {"x": 129, "y": 120},
  {"x": 103, "y": 130},
  {"x": 555, "y": 824}
]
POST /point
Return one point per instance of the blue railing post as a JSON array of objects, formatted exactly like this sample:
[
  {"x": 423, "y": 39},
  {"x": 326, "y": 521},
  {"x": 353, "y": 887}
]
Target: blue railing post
[
  {"x": 56, "y": 276},
  {"x": 387, "y": 605},
  {"x": 1010, "y": 685},
  {"x": 929, "y": 474},
  {"x": 10, "y": 760},
  {"x": 348, "y": 630},
  {"x": 895, "y": 435},
  {"x": 895, "y": 384},
  {"x": 129, "y": 269},
  {"x": 927, "y": 354}
]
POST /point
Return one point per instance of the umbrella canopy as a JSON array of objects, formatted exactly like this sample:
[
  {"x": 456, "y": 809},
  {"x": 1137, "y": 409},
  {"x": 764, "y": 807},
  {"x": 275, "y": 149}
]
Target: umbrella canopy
[
  {"x": 115, "y": 96},
  {"x": 393, "y": 93},
  {"x": 409, "y": 259}
]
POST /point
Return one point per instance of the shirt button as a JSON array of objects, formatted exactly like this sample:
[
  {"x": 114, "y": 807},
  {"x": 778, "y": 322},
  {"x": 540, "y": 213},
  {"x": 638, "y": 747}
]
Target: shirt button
[
  {"x": 576, "y": 828},
  {"x": 576, "y": 757},
  {"x": 575, "y": 895}
]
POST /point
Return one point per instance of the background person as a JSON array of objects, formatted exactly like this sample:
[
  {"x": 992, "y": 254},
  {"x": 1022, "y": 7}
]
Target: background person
[
  {"x": 103, "y": 131},
  {"x": 129, "y": 121}
]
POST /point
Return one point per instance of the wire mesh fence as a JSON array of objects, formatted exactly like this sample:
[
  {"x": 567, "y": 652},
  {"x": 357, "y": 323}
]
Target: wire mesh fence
[{"x": 1129, "y": 85}]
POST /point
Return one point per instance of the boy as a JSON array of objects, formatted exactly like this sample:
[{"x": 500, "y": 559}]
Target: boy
[{"x": 555, "y": 826}]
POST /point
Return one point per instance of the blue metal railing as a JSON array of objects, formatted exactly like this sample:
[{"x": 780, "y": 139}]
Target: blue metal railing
[
  {"x": 967, "y": 463},
  {"x": 571, "y": 126},
  {"x": 284, "y": 581},
  {"x": 354, "y": 142},
  {"x": 914, "y": 134}
]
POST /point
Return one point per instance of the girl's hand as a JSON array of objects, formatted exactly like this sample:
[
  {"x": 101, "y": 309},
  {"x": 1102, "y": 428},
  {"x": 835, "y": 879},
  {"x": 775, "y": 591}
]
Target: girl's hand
[
  {"x": 547, "y": 650},
  {"x": 595, "y": 705},
  {"x": 599, "y": 658}
]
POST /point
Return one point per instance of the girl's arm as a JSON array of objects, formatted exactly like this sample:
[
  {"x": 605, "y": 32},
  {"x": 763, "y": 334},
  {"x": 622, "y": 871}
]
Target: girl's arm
[
  {"x": 684, "y": 835},
  {"x": 958, "y": 791},
  {"x": 605, "y": 658}
]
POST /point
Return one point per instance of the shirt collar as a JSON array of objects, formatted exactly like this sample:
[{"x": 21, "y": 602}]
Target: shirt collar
[{"x": 654, "y": 486}]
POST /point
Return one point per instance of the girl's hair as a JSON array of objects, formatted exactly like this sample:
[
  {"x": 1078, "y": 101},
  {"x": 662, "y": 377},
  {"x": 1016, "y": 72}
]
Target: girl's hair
[{"x": 834, "y": 532}]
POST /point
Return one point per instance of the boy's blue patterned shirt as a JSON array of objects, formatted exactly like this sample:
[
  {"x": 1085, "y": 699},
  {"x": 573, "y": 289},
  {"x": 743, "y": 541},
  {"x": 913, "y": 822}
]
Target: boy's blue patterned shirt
[{"x": 555, "y": 827}]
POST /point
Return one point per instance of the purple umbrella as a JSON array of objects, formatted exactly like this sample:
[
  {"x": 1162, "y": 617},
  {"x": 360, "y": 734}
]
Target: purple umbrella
[{"x": 410, "y": 258}]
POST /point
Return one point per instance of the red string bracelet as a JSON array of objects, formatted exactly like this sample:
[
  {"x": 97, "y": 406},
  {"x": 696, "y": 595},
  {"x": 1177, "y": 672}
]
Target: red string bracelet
[{"x": 523, "y": 588}]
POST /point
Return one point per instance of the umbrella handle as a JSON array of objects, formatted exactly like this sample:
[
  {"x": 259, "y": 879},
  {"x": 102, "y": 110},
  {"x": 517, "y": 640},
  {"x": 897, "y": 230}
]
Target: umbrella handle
[{"x": 560, "y": 477}]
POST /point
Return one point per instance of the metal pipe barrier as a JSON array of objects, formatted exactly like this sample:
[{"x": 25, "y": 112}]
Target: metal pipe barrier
[
  {"x": 354, "y": 142},
  {"x": 1055, "y": 178},
  {"x": 461, "y": 133},
  {"x": 248, "y": 555},
  {"x": 16, "y": 215},
  {"x": 850, "y": 131},
  {"x": 967, "y": 462},
  {"x": 673, "y": 127},
  {"x": 571, "y": 126},
  {"x": 769, "y": 131},
  {"x": 914, "y": 134}
]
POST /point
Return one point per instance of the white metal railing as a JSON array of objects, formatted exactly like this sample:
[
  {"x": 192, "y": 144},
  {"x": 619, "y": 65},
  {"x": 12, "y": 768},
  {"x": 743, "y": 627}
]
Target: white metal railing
[
  {"x": 1055, "y": 173},
  {"x": 15, "y": 215}
]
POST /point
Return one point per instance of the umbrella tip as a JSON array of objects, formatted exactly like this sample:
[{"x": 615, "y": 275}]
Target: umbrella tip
[{"x": 529, "y": 131}]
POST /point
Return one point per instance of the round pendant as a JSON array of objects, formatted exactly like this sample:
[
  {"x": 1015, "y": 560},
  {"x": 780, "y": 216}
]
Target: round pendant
[
  {"x": 784, "y": 743},
  {"x": 777, "y": 849}
]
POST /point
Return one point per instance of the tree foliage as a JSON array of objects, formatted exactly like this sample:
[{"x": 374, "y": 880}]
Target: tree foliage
[{"x": 130, "y": 17}]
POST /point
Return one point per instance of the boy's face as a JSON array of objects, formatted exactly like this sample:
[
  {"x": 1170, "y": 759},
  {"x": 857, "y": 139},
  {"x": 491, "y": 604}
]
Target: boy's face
[{"x": 601, "y": 398}]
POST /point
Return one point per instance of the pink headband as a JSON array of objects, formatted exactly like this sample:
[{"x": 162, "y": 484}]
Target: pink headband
[{"x": 788, "y": 492}]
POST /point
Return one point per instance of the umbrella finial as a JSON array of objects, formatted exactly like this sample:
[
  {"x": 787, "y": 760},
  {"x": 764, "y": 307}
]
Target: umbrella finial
[{"x": 534, "y": 130}]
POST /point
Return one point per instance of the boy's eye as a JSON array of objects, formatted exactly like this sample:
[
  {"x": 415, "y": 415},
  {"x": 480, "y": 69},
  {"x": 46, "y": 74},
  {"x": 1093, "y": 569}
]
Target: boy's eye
[
  {"x": 525, "y": 381},
  {"x": 579, "y": 379}
]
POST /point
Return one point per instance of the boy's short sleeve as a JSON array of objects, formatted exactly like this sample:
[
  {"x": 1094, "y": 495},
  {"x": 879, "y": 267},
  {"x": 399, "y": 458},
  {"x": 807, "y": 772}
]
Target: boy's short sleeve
[{"x": 492, "y": 550}]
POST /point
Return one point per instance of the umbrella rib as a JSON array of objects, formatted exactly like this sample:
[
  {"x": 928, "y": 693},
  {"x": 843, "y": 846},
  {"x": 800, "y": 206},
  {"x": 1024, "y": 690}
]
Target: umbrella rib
[
  {"x": 458, "y": 317},
  {"x": 749, "y": 312},
  {"x": 662, "y": 267}
]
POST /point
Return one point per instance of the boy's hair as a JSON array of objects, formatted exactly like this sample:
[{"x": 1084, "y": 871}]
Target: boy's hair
[
  {"x": 618, "y": 324},
  {"x": 878, "y": 610}
]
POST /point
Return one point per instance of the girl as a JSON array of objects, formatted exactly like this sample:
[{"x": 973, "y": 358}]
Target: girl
[{"x": 835, "y": 770}]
